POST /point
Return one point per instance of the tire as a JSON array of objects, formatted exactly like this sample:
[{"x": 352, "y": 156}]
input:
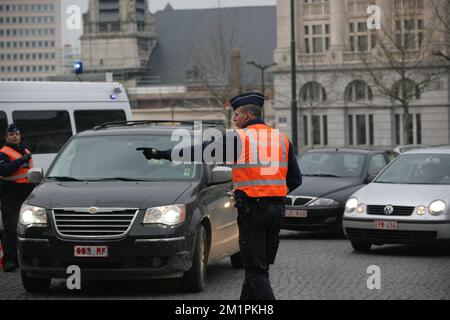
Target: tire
[
  {"x": 194, "y": 280},
  {"x": 35, "y": 284},
  {"x": 236, "y": 261},
  {"x": 361, "y": 246}
]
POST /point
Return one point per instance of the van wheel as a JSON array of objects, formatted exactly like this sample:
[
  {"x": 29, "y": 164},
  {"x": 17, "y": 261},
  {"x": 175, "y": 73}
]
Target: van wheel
[
  {"x": 361, "y": 246},
  {"x": 194, "y": 280},
  {"x": 35, "y": 284},
  {"x": 236, "y": 260}
]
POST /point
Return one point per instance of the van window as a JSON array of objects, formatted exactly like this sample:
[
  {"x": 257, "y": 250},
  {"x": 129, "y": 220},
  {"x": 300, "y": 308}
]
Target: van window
[
  {"x": 43, "y": 131},
  {"x": 3, "y": 125},
  {"x": 87, "y": 119}
]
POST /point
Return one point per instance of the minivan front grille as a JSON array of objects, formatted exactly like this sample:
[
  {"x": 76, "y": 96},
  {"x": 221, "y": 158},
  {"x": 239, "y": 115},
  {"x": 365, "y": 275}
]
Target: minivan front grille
[{"x": 105, "y": 223}]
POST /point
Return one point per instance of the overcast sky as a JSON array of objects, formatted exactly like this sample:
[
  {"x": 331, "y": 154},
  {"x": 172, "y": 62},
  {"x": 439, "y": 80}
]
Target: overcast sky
[{"x": 71, "y": 36}]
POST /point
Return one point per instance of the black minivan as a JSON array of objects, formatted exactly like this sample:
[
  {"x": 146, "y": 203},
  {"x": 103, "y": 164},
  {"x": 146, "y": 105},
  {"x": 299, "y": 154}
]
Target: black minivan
[{"x": 105, "y": 208}]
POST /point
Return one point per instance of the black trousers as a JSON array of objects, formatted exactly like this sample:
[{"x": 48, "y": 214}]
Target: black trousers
[
  {"x": 259, "y": 228},
  {"x": 11, "y": 199}
]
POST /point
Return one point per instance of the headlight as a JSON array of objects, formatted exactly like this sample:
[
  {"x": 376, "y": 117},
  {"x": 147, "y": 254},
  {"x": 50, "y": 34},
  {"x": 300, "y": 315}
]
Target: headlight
[
  {"x": 168, "y": 215},
  {"x": 32, "y": 215},
  {"x": 323, "y": 202},
  {"x": 351, "y": 205},
  {"x": 437, "y": 208}
]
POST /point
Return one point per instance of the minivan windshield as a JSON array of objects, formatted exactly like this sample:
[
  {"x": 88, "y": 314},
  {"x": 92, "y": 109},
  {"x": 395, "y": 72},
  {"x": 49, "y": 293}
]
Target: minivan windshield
[
  {"x": 418, "y": 169},
  {"x": 331, "y": 164},
  {"x": 106, "y": 158}
]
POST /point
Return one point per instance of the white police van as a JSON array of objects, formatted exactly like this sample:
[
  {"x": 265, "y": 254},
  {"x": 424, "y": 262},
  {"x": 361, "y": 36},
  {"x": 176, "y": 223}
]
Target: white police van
[{"x": 49, "y": 113}]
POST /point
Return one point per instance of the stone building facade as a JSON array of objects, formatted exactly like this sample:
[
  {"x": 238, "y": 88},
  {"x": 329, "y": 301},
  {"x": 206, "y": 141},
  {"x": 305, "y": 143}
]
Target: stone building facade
[
  {"x": 118, "y": 37},
  {"x": 345, "y": 70}
]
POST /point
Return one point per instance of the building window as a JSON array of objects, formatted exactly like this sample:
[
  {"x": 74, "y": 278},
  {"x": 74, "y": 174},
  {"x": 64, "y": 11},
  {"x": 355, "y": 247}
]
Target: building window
[
  {"x": 361, "y": 38},
  {"x": 358, "y": 91},
  {"x": 360, "y": 129},
  {"x": 409, "y": 34},
  {"x": 415, "y": 129},
  {"x": 305, "y": 130},
  {"x": 319, "y": 130},
  {"x": 407, "y": 90},
  {"x": 313, "y": 93},
  {"x": 317, "y": 38}
]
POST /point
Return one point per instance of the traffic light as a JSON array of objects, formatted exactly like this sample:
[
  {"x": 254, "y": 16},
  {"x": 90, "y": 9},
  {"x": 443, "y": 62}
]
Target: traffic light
[{"x": 77, "y": 67}]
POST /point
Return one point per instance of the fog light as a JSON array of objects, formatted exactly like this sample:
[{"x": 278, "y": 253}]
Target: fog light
[
  {"x": 421, "y": 210},
  {"x": 361, "y": 208},
  {"x": 156, "y": 262}
]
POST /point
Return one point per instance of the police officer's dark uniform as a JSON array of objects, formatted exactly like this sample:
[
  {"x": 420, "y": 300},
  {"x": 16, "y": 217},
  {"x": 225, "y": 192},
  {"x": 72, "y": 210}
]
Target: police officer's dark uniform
[
  {"x": 15, "y": 160},
  {"x": 259, "y": 196}
]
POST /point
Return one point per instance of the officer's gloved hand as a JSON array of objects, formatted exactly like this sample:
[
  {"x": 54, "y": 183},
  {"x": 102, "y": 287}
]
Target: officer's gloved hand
[
  {"x": 26, "y": 158},
  {"x": 151, "y": 153}
]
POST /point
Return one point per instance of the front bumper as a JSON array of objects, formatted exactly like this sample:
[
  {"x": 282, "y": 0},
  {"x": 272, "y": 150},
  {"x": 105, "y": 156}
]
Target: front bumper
[
  {"x": 408, "y": 231},
  {"x": 318, "y": 218},
  {"x": 129, "y": 258}
]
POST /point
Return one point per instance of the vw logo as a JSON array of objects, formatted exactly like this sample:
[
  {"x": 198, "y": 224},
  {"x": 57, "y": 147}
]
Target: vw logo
[
  {"x": 388, "y": 210},
  {"x": 93, "y": 210}
]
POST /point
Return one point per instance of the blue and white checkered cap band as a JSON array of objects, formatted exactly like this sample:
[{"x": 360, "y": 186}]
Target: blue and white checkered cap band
[{"x": 254, "y": 98}]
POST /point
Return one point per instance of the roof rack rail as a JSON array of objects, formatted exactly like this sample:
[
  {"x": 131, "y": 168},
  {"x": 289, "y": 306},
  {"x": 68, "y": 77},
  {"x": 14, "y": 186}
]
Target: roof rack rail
[{"x": 155, "y": 122}]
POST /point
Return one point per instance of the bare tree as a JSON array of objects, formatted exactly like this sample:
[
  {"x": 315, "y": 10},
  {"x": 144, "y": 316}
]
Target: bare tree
[
  {"x": 402, "y": 65},
  {"x": 441, "y": 10},
  {"x": 210, "y": 63}
]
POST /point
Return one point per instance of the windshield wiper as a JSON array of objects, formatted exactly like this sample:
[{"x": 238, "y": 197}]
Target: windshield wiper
[
  {"x": 327, "y": 175},
  {"x": 64, "y": 178},
  {"x": 118, "y": 179}
]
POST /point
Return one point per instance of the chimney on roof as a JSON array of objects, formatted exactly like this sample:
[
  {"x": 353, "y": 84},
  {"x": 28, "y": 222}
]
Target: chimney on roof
[{"x": 235, "y": 72}]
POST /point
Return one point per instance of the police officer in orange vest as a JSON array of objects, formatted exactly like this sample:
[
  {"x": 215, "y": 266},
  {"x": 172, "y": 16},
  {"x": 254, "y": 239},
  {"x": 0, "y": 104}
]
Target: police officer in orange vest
[
  {"x": 265, "y": 170},
  {"x": 15, "y": 160}
]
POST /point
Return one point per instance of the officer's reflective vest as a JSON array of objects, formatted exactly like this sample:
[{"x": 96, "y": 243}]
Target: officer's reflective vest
[
  {"x": 262, "y": 167},
  {"x": 19, "y": 176}
]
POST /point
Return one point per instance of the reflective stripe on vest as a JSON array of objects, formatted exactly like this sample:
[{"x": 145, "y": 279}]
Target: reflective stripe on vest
[
  {"x": 20, "y": 175},
  {"x": 262, "y": 167}
]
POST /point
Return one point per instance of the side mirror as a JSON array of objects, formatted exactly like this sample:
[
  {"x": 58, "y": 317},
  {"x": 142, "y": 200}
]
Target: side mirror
[
  {"x": 370, "y": 178},
  {"x": 221, "y": 175},
  {"x": 35, "y": 175}
]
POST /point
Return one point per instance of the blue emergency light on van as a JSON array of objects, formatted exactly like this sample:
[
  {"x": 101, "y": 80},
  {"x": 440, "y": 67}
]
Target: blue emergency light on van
[{"x": 77, "y": 67}]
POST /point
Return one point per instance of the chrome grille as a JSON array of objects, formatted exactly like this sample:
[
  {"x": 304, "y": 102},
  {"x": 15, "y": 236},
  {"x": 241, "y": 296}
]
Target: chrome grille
[
  {"x": 297, "y": 200},
  {"x": 106, "y": 223},
  {"x": 398, "y": 210}
]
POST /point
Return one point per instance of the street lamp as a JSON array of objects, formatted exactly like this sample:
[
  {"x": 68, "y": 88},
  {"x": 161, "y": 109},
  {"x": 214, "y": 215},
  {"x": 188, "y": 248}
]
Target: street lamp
[
  {"x": 263, "y": 68},
  {"x": 293, "y": 81}
]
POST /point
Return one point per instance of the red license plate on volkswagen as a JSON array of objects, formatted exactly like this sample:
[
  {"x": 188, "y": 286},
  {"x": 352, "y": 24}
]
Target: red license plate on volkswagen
[
  {"x": 385, "y": 225},
  {"x": 91, "y": 251}
]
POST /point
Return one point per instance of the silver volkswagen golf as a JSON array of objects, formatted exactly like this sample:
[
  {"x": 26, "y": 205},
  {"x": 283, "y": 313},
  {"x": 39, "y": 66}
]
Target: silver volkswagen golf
[{"x": 408, "y": 202}]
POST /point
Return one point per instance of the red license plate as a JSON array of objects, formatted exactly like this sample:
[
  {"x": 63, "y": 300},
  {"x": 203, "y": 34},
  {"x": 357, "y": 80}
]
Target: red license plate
[
  {"x": 385, "y": 225},
  {"x": 91, "y": 251},
  {"x": 296, "y": 214}
]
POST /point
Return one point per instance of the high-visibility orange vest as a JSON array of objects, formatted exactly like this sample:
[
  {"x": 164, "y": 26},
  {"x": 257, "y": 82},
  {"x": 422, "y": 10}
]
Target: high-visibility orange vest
[
  {"x": 262, "y": 167},
  {"x": 19, "y": 176}
]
